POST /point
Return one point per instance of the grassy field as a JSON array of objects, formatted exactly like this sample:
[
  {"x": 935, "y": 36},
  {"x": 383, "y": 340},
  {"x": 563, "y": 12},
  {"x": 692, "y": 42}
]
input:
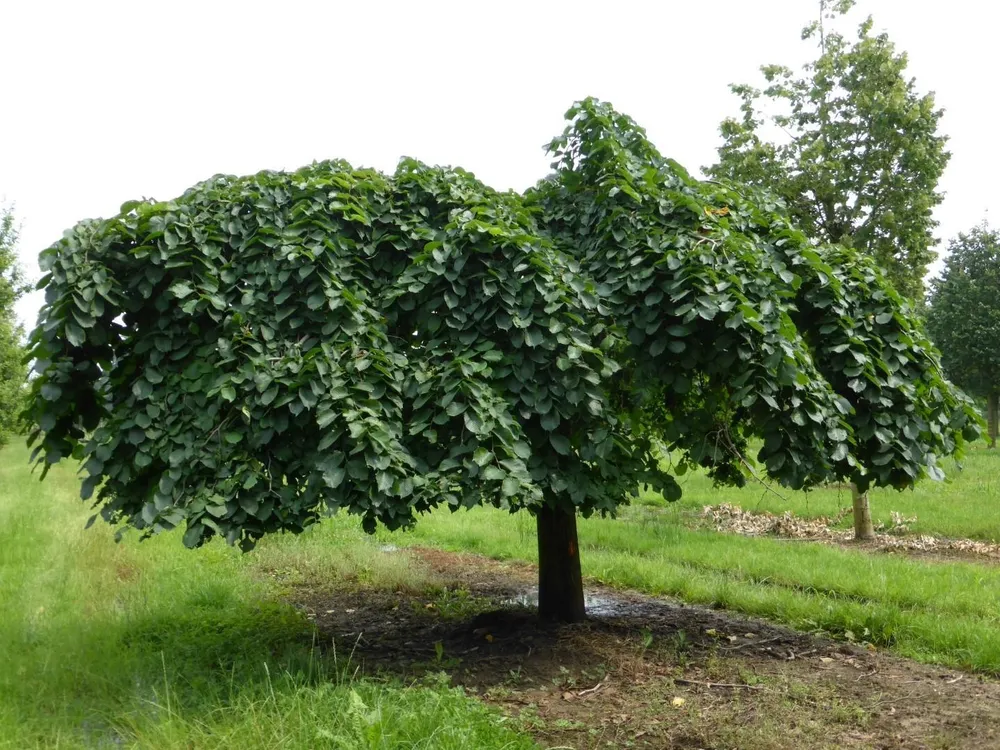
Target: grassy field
[{"x": 153, "y": 646}]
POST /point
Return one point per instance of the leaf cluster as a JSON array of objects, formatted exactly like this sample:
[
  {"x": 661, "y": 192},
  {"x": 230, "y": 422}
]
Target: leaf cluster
[{"x": 750, "y": 328}]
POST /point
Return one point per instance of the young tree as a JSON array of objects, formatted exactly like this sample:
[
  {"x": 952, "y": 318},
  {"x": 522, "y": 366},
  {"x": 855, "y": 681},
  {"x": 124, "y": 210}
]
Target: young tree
[
  {"x": 13, "y": 372},
  {"x": 265, "y": 349},
  {"x": 856, "y": 157},
  {"x": 850, "y": 147},
  {"x": 964, "y": 317}
]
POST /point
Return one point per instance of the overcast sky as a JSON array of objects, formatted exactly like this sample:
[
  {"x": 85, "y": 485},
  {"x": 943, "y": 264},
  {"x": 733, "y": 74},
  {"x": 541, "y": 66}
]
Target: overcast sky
[{"x": 104, "y": 102}]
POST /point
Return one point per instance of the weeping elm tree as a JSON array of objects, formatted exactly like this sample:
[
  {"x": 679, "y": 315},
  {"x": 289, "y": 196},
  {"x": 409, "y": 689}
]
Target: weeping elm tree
[{"x": 264, "y": 350}]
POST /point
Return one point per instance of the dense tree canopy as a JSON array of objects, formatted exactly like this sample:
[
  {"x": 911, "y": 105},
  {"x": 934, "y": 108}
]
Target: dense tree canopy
[
  {"x": 13, "y": 371},
  {"x": 264, "y": 349},
  {"x": 964, "y": 316},
  {"x": 849, "y": 145}
]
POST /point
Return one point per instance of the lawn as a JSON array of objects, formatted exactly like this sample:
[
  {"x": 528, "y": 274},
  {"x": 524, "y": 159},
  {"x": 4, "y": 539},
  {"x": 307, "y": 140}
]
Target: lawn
[{"x": 148, "y": 645}]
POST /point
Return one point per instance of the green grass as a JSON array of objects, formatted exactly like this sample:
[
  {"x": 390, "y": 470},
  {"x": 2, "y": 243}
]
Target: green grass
[
  {"x": 149, "y": 645},
  {"x": 153, "y": 646},
  {"x": 965, "y": 505}
]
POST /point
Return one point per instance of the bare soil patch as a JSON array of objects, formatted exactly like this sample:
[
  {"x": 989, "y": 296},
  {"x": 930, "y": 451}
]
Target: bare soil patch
[{"x": 647, "y": 672}]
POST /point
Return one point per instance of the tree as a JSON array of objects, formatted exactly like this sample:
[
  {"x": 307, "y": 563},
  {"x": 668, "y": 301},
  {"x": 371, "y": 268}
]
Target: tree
[
  {"x": 859, "y": 160},
  {"x": 265, "y": 349},
  {"x": 964, "y": 317},
  {"x": 12, "y": 369},
  {"x": 858, "y": 157}
]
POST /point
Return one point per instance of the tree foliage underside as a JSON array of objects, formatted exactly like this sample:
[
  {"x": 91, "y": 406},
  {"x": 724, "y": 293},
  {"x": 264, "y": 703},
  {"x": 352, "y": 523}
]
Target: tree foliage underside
[{"x": 263, "y": 349}]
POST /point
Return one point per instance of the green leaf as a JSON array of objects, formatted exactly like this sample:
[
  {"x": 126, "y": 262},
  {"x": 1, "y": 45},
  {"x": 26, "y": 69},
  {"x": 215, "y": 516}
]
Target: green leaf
[
  {"x": 142, "y": 388},
  {"x": 75, "y": 334},
  {"x": 181, "y": 289},
  {"x": 473, "y": 423},
  {"x": 560, "y": 444},
  {"x": 522, "y": 450},
  {"x": 51, "y": 392},
  {"x": 325, "y": 417},
  {"x": 333, "y": 477},
  {"x": 193, "y": 535},
  {"x": 493, "y": 474}
]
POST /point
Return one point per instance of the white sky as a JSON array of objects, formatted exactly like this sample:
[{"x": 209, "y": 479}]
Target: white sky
[{"x": 104, "y": 102}]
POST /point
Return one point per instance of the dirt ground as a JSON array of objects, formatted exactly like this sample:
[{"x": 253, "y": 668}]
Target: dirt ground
[{"x": 645, "y": 672}]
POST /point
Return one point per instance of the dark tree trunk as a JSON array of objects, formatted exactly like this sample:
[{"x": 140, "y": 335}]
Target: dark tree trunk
[
  {"x": 560, "y": 583},
  {"x": 863, "y": 528},
  {"x": 992, "y": 416}
]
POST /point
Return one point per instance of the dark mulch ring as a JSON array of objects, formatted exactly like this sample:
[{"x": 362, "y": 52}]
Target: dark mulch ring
[{"x": 646, "y": 672}]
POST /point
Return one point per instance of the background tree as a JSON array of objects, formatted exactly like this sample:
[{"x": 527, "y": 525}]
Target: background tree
[
  {"x": 13, "y": 372},
  {"x": 263, "y": 350},
  {"x": 852, "y": 150},
  {"x": 964, "y": 316},
  {"x": 849, "y": 146}
]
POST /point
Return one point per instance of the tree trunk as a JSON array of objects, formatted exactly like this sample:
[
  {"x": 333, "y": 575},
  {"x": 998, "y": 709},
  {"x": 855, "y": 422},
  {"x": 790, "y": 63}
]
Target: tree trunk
[
  {"x": 863, "y": 529},
  {"x": 992, "y": 416},
  {"x": 560, "y": 583}
]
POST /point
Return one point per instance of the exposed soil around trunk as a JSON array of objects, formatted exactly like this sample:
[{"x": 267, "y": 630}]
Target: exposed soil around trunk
[{"x": 646, "y": 672}]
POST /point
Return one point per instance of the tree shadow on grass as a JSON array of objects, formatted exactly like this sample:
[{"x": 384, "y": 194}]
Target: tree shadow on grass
[
  {"x": 83, "y": 676},
  {"x": 210, "y": 640},
  {"x": 222, "y": 668}
]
